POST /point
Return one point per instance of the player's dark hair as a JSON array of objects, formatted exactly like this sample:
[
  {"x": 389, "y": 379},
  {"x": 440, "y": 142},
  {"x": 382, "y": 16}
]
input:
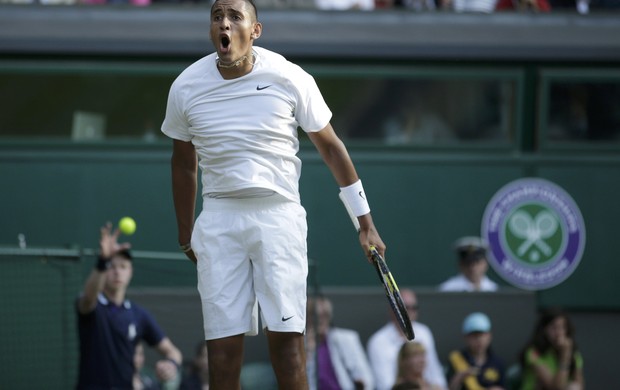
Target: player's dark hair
[{"x": 250, "y": 2}]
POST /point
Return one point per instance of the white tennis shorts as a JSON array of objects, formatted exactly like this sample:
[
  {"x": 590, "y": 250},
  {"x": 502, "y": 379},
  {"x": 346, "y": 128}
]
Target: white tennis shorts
[{"x": 251, "y": 253}]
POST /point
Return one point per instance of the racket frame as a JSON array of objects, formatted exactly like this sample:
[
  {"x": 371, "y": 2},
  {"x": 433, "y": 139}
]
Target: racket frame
[
  {"x": 393, "y": 294},
  {"x": 389, "y": 284}
]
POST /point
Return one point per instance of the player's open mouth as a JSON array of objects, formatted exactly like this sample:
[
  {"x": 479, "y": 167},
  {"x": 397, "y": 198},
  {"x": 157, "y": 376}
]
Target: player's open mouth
[{"x": 224, "y": 43}]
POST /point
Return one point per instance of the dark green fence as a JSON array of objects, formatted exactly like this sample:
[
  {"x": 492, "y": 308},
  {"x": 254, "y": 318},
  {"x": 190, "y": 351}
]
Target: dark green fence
[{"x": 37, "y": 324}]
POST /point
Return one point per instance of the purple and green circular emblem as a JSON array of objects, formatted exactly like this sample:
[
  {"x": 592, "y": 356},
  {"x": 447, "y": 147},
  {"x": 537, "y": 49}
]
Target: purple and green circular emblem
[{"x": 535, "y": 232}]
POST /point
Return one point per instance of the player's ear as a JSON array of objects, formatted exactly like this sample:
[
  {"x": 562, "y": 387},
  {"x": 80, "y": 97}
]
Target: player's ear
[{"x": 257, "y": 30}]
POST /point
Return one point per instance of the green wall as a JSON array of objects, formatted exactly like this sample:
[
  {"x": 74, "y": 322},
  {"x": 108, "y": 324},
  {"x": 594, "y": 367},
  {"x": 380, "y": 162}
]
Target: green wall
[{"x": 421, "y": 202}]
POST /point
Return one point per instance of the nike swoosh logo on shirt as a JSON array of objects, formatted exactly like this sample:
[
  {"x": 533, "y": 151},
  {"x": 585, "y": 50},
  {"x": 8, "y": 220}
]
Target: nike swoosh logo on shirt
[
  {"x": 259, "y": 88},
  {"x": 284, "y": 319}
]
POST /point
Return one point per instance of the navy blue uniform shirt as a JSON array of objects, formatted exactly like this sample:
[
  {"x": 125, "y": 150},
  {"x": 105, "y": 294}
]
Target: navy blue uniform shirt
[
  {"x": 108, "y": 338},
  {"x": 492, "y": 372}
]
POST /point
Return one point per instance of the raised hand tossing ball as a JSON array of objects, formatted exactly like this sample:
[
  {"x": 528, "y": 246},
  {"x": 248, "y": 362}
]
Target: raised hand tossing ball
[{"x": 127, "y": 226}]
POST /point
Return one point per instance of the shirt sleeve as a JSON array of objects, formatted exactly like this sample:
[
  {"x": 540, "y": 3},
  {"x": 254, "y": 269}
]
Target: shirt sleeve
[
  {"x": 312, "y": 112},
  {"x": 152, "y": 333},
  {"x": 175, "y": 123}
]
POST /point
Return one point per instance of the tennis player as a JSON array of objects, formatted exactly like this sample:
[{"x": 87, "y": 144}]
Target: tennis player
[{"x": 235, "y": 114}]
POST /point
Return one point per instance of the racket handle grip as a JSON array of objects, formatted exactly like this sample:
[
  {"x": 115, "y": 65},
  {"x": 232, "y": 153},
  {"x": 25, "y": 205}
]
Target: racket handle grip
[{"x": 356, "y": 223}]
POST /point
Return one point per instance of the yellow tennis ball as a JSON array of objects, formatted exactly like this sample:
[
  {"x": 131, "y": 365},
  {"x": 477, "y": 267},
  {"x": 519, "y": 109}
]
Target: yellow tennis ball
[{"x": 127, "y": 226}]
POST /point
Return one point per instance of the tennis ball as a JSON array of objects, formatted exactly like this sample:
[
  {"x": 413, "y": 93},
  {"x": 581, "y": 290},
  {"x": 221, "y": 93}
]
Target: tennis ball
[{"x": 127, "y": 226}]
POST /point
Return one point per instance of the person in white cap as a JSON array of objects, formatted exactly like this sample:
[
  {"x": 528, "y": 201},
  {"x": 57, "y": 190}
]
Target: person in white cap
[
  {"x": 473, "y": 266},
  {"x": 476, "y": 366}
]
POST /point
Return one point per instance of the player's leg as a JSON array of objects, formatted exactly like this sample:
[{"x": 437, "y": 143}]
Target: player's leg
[
  {"x": 225, "y": 360},
  {"x": 288, "y": 358},
  {"x": 280, "y": 268},
  {"x": 225, "y": 287}
]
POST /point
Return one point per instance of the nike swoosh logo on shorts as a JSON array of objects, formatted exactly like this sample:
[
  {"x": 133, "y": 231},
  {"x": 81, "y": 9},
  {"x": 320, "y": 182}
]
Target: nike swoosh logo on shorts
[
  {"x": 259, "y": 88},
  {"x": 284, "y": 319}
]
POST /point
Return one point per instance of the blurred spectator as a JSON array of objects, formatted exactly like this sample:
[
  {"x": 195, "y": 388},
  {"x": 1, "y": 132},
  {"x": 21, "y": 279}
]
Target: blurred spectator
[
  {"x": 384, "y": 344},
  {"x": 340, "y": 356},
  {"x": 141, "y": 3},
  {"x": 581, "y": 6},
  {"x": 523, "y": 5},
  {"x": 342, "y": 5},
  {"x": 605, "y": 5},
  {"x": 142, "y": 380},
  {"x": 411, "y": 365},
  {"x": 419, "y": 5},
  {"x": 476, "y": 366},
  {"x": 480, "y": 6},
  {"x": 197, "y": 377},
  {"x": 584, "y": 111},
  {"x": 551, "y": 359},
  {"x": 472, "y": 261},
  {"x": 414, "y": 122},
  {"x": 412, "y": 115}
]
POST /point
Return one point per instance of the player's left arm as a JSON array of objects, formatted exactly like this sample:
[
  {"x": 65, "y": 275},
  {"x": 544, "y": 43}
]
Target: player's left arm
[
  {"x": 337, "y": 159},
  {"x": 168, "y": 368}
]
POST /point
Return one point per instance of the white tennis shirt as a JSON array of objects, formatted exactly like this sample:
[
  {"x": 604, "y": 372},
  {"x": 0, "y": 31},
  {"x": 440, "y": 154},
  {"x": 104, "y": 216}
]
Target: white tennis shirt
[{"x": 245, "y": 130}]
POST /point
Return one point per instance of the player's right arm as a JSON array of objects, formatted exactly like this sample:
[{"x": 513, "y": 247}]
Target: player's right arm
[{"x": 184, "y": 165}]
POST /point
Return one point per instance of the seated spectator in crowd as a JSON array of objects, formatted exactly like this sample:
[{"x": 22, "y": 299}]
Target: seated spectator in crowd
[
  {"x": 139, "y": 3},
  {"x": 411, "y": 365},
  {"x": 142, "y": 380},
  {"x": 523, "y": 5},
  {"x": 582, "y": 6},
  {"x": 339, "y": 353},
  {"x": 551, "y": 359},
  {"x": 472, "y": 261},
  {"x": 418, "y": 5},
  {"x": 415, "y": 125},
  {"x": 479, "y": 6},
  {"x": 343, "y": 5},
  {"x": 384, "y": 344},
  {"x": 197, "y": 377},
  {"x": 476, "y": 366}
]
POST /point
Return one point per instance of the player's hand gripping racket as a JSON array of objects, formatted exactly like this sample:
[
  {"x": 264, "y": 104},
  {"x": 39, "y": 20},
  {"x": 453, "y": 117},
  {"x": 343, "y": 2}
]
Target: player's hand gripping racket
[{"x": 389, "y": 284}]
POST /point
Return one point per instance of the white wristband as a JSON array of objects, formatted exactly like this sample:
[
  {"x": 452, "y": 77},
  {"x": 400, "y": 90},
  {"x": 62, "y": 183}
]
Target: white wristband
[{"x": 355, "y": 198}]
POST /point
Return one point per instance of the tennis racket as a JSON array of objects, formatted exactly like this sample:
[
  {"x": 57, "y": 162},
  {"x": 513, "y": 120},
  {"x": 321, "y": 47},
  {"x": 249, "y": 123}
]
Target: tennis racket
[
  {"x": 387, "y": 280},
  {"x": 393, "y": 294}
]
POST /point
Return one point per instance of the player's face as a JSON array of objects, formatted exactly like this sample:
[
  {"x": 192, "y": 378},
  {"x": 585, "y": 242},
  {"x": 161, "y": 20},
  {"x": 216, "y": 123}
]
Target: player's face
[{"x": 233, "y": 29}]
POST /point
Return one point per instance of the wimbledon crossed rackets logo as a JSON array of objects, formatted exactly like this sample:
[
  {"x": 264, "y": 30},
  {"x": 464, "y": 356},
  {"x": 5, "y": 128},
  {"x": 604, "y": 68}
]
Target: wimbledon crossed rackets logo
[
  {"x": 535, "y": 232},
  {"x": 532, "y": 235}
]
